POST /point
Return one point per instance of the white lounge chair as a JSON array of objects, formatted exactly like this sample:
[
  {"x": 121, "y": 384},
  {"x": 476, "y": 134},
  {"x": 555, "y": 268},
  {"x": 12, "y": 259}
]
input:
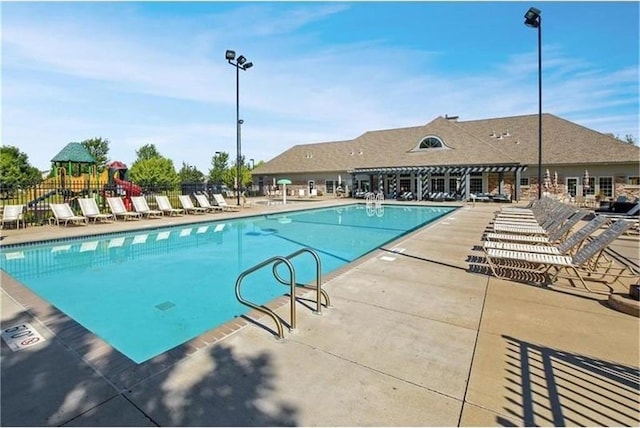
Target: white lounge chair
[
  {"x": 165, "y": 206},
  {"x": 64, "y": 213},
  {"x": 585, "y": 265},
  {"x": 187, "y": 204},
  {"x": 222, "y": 203},
  {"x": 90, "y": 210},
  {"x": 141, "y": 206},
  {"x": 13, "y": 214},
  {"x": 204, "y": 203},
  {"x": 119, "y": 210},
  {"x": 568, "y": 246}
]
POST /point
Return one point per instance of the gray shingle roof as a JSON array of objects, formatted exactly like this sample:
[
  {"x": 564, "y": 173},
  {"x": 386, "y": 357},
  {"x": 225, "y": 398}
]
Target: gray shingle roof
[
  {"x": 74, "y": 152},
  {"x": 467, "y": 143}
]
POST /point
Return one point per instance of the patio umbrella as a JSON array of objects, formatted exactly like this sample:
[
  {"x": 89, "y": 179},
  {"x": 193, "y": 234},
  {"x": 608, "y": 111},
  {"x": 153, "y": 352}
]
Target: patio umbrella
[
  {"x": 585, "y": 180},
  {"x": 284, "y": 182}
]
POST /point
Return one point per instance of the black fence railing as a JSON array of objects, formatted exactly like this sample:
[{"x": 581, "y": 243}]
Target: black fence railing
[{"x": 36, "y": 198}]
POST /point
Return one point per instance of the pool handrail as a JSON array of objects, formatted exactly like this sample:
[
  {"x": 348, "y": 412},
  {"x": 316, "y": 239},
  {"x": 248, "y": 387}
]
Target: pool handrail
[
  {"x": 262, "y": 308},
  {"x": 319, "y": 291}
]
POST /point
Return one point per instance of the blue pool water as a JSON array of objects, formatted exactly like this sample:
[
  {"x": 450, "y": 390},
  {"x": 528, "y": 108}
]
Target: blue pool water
[{"x": 146, "y": 292}]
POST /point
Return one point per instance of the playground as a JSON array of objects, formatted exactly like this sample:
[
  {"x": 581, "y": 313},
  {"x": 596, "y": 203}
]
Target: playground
[{"x": 74, "y": 175}]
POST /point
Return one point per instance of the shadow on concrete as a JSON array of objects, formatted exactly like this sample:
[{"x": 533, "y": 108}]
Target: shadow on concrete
[
  {"x": 50, "y": 384},
  {"x": 552, "y": 387},
  {"x": 424, "y": 259},
  {"x": 513, "y": 270},
  {"x": 237, "y": 391}
]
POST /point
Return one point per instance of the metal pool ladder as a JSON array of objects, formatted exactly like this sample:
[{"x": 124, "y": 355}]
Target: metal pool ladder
[{"x": 286, "y": 260}]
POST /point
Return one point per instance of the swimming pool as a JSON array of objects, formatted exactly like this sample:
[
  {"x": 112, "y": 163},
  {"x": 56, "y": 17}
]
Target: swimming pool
[{"x": 146, "y": 292}]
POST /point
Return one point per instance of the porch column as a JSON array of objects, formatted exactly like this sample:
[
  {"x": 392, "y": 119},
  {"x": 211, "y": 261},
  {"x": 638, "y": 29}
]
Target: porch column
[{"x": 467, "y": 183}]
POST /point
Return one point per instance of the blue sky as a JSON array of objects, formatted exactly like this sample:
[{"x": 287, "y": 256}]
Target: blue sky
[{"x": 154, "y": 72}]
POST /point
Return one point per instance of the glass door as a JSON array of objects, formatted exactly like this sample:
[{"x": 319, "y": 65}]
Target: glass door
[{"x": 572, "y": 186}]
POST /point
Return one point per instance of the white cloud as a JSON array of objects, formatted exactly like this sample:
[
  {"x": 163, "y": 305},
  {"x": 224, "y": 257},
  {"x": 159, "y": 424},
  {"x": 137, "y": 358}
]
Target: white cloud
[{"x": 64, "y": 84}]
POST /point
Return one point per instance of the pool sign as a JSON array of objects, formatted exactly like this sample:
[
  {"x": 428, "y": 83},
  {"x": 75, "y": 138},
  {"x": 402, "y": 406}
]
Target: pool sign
[{"x": 21, "y": 336}]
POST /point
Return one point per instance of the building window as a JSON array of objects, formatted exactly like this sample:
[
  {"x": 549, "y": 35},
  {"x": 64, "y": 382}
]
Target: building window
[
  {"x": 591, "y": 190},
  {"x": 453, "y": 185},
  {"x": 606, "y": 186},
  {"x": 634, "y": 181},
  {"x": 475, "y": 185},
  {"x": 437, "y": 184},
  {"x": 430, "y": 142},
  {"x": 329, "y": 186},
  {"x": 524, "y": 182}
]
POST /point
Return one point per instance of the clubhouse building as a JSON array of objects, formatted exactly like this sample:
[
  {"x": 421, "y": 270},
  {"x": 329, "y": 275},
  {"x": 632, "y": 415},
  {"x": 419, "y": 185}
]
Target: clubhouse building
[{"x": 448, "y": 155}]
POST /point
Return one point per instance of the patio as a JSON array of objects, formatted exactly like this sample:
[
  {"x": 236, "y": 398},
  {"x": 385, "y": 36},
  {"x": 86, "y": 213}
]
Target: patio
[{"x": 415, "y": 336}]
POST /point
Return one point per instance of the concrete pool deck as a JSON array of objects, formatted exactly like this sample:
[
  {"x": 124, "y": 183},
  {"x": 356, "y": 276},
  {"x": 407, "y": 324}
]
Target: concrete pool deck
[{"x": 417, "y": 335}]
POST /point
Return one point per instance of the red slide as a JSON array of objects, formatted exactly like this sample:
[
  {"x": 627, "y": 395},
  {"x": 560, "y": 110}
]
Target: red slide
[
  {"x": 129, "y": 187},
  {"x": 130, "y": 190}
]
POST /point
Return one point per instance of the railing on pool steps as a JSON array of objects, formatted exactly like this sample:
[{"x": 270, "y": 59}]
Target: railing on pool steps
[
  {"x": 286, "y": 260},
  {"x": 374, "y": 199}
]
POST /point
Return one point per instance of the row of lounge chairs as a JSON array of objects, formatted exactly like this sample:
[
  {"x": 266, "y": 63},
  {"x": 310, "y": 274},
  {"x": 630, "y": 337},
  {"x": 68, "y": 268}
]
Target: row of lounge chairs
[
  {"x": 64, "y": 215},
  {"x": 541, "y": 240}
]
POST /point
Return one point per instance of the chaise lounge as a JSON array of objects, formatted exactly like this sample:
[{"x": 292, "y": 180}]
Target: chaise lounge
[
  {"x": 64, "y": 213},
  {"x": 119, "y": 210}
]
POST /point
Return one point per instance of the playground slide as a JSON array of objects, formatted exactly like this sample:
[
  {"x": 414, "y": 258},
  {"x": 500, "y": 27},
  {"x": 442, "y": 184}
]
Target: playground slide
[
  {"x": 129, "y": 187},
  {"x": 41, "y": 198}
]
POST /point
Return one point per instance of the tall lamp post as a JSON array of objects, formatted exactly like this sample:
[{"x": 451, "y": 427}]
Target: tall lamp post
[
  {"x": 533, "y": 19},
  {"x": 239, "y": 63}
]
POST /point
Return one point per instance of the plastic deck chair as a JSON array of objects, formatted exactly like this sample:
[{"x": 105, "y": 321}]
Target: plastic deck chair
[
  {"x": 13, "y": 214},
  {"x": 588, "y": 264},
  {"x": 64, "y": 213},
  {"x": 189, "y": 208},
  {"x": 141, "y": 206},
  {"x": 119, "y": 210},
  {"x": 165, "y": 206},
  {"x": 222, "y": 203},
  {"x": 90, "y": 210}
]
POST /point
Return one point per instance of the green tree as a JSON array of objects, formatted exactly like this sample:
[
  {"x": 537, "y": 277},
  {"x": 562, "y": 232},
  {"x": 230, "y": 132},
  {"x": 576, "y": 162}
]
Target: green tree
[
  {"x": 230, "y": 176},
  {"x": 99, "y": 148},
  {"x": 190, "y": 174},
  {"x": 151, "y": 169},
  {"x": 629, "y": 139},
  {"x": 219, "y": 168},
  {"x": 15, "y": 169},
  {"x": 148, "y": 151},
  {"x": 154, "y": 172}
]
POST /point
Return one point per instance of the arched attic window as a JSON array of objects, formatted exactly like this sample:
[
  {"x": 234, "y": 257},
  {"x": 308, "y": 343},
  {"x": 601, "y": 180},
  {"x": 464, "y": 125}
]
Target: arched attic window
[{"x": 430, "y": 142}]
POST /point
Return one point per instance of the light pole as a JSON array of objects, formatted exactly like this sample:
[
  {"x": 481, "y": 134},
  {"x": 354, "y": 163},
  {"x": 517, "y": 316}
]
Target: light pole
[
  {"x": 533, "y": 19},
  {"x": 240, "y": 64}
]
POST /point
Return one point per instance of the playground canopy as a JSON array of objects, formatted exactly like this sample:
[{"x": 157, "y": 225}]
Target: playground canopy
[{"x": 73, "y": 154}]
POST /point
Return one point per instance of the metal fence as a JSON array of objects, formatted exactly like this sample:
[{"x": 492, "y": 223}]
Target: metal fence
[{"x": 36, "y": 199}]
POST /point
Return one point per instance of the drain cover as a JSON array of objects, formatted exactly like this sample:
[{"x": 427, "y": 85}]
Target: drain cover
[{"x": 165, "y": 306}]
